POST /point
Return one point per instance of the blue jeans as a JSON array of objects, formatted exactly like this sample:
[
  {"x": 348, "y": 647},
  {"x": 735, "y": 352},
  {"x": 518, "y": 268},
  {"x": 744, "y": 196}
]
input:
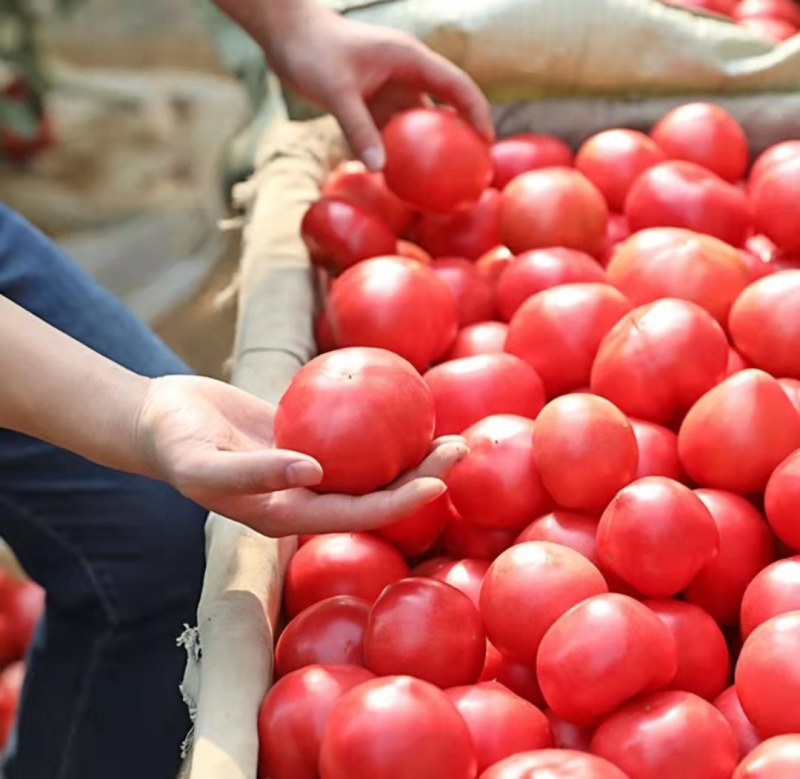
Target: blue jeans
[{"x": 120, "y": 556}]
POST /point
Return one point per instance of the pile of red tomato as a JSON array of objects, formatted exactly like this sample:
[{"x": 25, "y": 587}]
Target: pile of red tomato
[
  {"x": 775, "y": 20},
  {"x": 608, "y": 587}
]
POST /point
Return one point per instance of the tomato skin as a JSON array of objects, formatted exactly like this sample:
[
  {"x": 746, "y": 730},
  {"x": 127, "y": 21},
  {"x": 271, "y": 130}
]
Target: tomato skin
[
  {"x": 774, "y": 198},
  {"x": 737, "y": 363},
  {"x": 396, "y": 304},
  {"x": 775, "y": 30},
  {"x": 784, "y": 10},
  {"x": 501, "y": 724},
  {"x": 295, "y": 711},
  {"x": 659, "y": 359},
  {"x": 497, "y": 485},
  {"x": 613, "y": 159},
  {"x": 669, "y": 262},
  {"x": 574, "y": 529},
  {"x": 737, "y": 433},
  {"x": 558, "y": 332},
  {"x": 585, "y": 451},
  {"x": 517, "y": 676},
  {"x": 658, "y": 451},
  {"x": 768, "y": 676},
  {"x": 775, "y": 758},
  {"x": 682, "y": 194},
  {"x": 541, "y": 269},
  {"x": 601, "y": 653},
  {"x": 434, "y": 160},
  {"x": 418, "y": 532},
  {"x": 466, "y": 539},
  {"x": 774, "y": 155},
  {"x": 472, "y": 289},
  {"x": 329, "y": 632},
  {"x": 747, "y": 738},
  {"x": 745, "y": 547},
  {"x": 553, "y": 207},
  {"x": 396, "y": 728},
  {"x": 412, "y": 251},
  {"x": 356, "y": 564},
  {"x": 563, "y": 576},
  {"x": 466, "y": 391},
  {"x": 322, "y": 334},
  {"x": 480, "y": 338},
  {"x": 569, "y": 736},
  {"x": 11, "y": 680},
  {"x": 781, "y": 500},
  {"x": 342, "y": 400},
  {"x": 465, "y": 575},
  {"x": 617, "y": 232},
  {"x": 668, "y": 735},
  {"x": 553, "y": 764},
  {"x": 773, "y": 591},
  {"x": 525, "y": 152},
  {"x": 492, "y": 263},
  {"x": 792, "y": 389}
]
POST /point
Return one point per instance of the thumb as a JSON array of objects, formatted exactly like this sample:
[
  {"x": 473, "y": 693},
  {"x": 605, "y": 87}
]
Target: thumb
[{"x": 359, "y": 129}]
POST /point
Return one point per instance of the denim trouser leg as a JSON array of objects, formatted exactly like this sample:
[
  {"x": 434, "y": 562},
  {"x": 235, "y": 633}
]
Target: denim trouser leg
[{"x": 121, "y": 558}]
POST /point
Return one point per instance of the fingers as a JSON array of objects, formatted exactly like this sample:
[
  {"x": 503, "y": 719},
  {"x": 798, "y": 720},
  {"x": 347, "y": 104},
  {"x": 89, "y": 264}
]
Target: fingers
[
  {"x": 359, "y": 127},
  {"x": 445, "y": 453}
]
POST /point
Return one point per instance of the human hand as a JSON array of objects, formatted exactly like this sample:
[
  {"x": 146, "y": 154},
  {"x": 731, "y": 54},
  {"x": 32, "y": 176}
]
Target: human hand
[{"x": 214, "y": 444}]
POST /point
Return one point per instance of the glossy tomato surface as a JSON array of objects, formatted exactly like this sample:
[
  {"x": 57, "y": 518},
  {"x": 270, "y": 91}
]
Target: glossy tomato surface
[
  {"x": 781, "y": 501},
  {"x": 775, "y": 203},
  {"x": 480, "y": 338},
  {"x": 776, "y": 758},
  {"x": 574, "y": 529},
  {"x": 473, "y": 291},
  {"x": 527, "y": 151},
  {"x": 465, "y": 575},
  {"x": 658, "y": 451},
  {"x": 773, "y": 591},
  {"x": 553, "y": 764},
  {"x": 417, "y": 532},
  {"x": 746, "y": 736}
]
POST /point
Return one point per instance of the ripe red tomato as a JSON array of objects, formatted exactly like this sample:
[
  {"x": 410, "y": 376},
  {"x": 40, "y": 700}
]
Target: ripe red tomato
[
  {"x": 776, "y": 758},
  {"x": 745, "y": 547},
  {"x": 11, "y": 680},
  {"x": 501, "y": 724},
  {"x": 466, "y": 539},
  {"x": 339, "y": 233},
  {"x": 558, "y": 332},
  {"x": 517, "y": 676},
  {"x": 434, "y": 160},
  {"x": 295, "y": 711},
  {"x": 746, "y": 736},
  {"x": 322, "y": 334},
  {"x": 542, "y": 269},
  {"x": 395, "y": 304},
  {"x": 570, "y": 528},
  {"x": 781, "y": 500},
  {"x": 765, "y": 323},
  {"x": 339, "y": 404},
  {"x": 352, "y": 181},
  {"x": 775, "y": 30},
  {"x": 553, "y": 764},
  {"x": 418, "y": 532},
  {"x": 553, "y": 207},
  {"x": 412, "y": 251},
  {"x": 738, "y": 432},
  {"x": 785, "y": 10},
  {"x": 425, "y": 628},
  {"x": 589, "y": 662},
  {"x": 585, "y": 451},
  {"x": 737, "y": 363},
  {"x": 480, "y": 338},
  {"x": 792, "y": 389},
  {"x": 473, "y": 291},
  {"x": 331, "y": 631},
  {"x": 658, "y": 451},
  {"x": 659, "y": 359},
  {"x": 775, "y": 199},
  {"x": 527, "y": 151},
  {"x": 774, "y": 155},
  {"x": 613, "y": 159},
  {"x": 560, "y": 576},
  {"x": 465, "y": 575},
  {"x": 494, "y": 262},
  {"x": 669, "y": 262},
  {"x": 497, "y": 485},
  {"x": 707, "y": 135},
  {"x": 774, "y": 590},
  {"x": 657, "y": 535},
  {"x": 567, "y": 735},
  {"x": 668, "y": 735},
  {"x": 356, "y": 564},
  {"x": 682, "y": 194},
  {"x": 396, "y": 728},
  {"x": 768, "y": 676}
]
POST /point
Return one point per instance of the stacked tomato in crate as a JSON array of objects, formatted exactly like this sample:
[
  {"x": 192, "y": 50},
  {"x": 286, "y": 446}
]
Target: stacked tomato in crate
[{"x": 606, "y": 588}]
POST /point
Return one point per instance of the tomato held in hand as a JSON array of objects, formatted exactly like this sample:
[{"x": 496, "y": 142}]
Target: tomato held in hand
[
  {"x": 465, "y": 575},
  {"x": 776, "y": 758},
  {"x": 343, "y": 402},
  {"x": 434, "y": 160},
  {"x": 527, "y": 151},
  {"x": 781, "y": 499},
  {"x": 418, "y": 532},
  {"x": 658, "y": 451},
  {"x": 553, "y": 764},
  {"x": 775, "y": 198},
  {"x": 745, "y": 735},
  {"x": 574, "y": 529},
  {"x": 774, "y": 591},
  {"x": 480, "y": 338}
]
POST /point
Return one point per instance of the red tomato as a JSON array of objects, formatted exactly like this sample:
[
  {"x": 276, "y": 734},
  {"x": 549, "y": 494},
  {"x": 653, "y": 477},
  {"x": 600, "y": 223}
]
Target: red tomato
[
  {"x": 773, "y": 591},
  {"x": 792, "y": 389},
  {"x": 745, "y": 547},
  {"x": 785, "y": 10},
  {"x": 570, "y": 528},
  {"x": 425, "y": 628},
  {"x": 775, "y": 30},
  {"x": 295, "y": 712},
  {"x": 394, "y": 304},
  {"x": 776, "y": 758},
  {"x": 768, "y": 676},
  {"x": 517, "y": 676},
  {"x": 728, "y": 704},
  {"x": 553, "y": 764},
  {"x": 501, "y": 724},
  {"x": 472, "y": 289},
  {"x": 339, "y": 234},
  {"x": 707, "y": 135},
  {"x": 418, "y": 532},
  {"x": 737, "y": 363},
  {"x": 668, "y": 735},
  {"x": 527, "y": 151},
  {"x": 352, "y": 181},
  {"x": 20, "y": 613},
  {"x": 567, "y": 735},
  {"x": 738, "y": 432},
  {"x": 659, "y": 359},
  {"x": 711, "y": 6},
  {"x": 765, "y": 323},
  {"x": 496, "y": 485},
  {"x": 465, "y": 575},
  {"x": 560, "y": 576},
  {"x": 10, "y": 688},
  {"x": 774, "y": 155},
  {"x": 356, "y": 564},
  {"x": 469, "y": 231},
  {"x": 331, "y": 631},
  {"x": 703, "y": 657},
  {"x": 781, "y": 500},
  {"x": 542, "y": 269},
  {"x": 616, "y": 232},
  {"x": 613, "y": 159},
  {"x": 674, "y": 263},
  {"x": 553, "y": 207},
  {"x": 396, "y": 728},
  {"x": 411, "y": 251},
  {"x": 494, "y": 262},
  {"x": 342, "y": 402},
  {"x": 322, "y": 334},
  {"x": 466, "y": 539},
  {"x": 434, "y": 160},
  {"x": 585, "y": 450},
  {"x": 775, "y": 198},
  {"x": 682, "y": 194},
  {"x": 601, "y": 653},
  {"x": 657, "y": 535},
  {"x": 658, "y": 451},
  {"x": 472, "y": 388},
  {"x": 480, "y": 338},
  {"x": 558, "y": 332}
]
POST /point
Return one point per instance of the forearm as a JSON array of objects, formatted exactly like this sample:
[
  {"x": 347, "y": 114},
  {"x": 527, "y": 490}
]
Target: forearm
[{"x": 60, "y": 391}]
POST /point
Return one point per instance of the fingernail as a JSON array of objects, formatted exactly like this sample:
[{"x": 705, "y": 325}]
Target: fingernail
[
  {"x": 303, "y": 474},
  {"x": 374, "y": 157},
  {"x": 434, "y": 488}
]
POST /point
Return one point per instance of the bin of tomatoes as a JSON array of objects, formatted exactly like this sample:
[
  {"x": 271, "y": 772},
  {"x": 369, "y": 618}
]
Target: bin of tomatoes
[{"x": 609, "y": 586}]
